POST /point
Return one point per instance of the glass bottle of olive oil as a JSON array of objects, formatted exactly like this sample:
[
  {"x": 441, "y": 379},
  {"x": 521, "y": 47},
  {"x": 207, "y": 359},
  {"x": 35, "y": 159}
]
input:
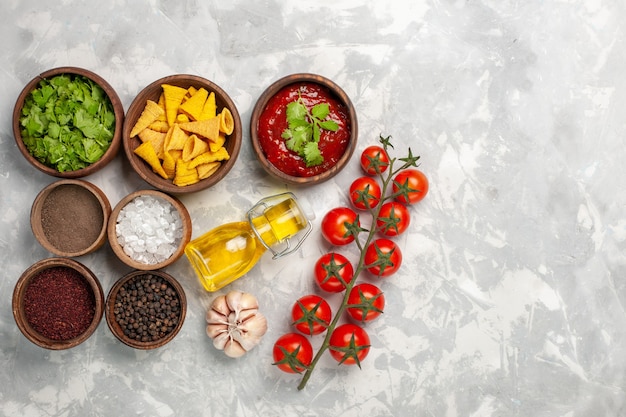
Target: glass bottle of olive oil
[{"x": 229, "y": 251}]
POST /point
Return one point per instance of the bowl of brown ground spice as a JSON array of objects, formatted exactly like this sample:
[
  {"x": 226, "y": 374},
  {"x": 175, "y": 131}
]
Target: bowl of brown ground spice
[
  {"x": 58, "y": 303},
  {"x": 69, "y": 217}
]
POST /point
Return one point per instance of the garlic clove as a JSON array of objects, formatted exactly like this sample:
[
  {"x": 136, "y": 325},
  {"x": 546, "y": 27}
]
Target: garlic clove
[
  {"x": 246, "y": 314},
  {"x": 221, "y": 306},
  {"x": 234, "y": 349},
  {"x": 213, "y": 330},
  {"x": 248, "y": 301},
  {"x": 232, "y": 300},
  {"x": 250, "y": 332},
  {"x": 215, "y": 317},
  {"x": 220, "y": 340},
  {"x": 255, "y": 325}
]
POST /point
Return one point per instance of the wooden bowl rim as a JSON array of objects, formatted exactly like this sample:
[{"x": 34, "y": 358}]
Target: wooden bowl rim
[
  {"x": 118, "y": 109},
  {"x": 260, "y": 105},
  {"x": 119, "y": 251},
  {"x": 152, "y": 91},
  {"x": 36, "y": 208},
  {"x": 18, "y": 296},
  {"x": 115, "y": 328}
]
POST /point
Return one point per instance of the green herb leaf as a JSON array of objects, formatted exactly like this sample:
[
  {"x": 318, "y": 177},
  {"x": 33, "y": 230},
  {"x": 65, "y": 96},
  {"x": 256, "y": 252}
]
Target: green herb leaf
[
  {"x": 42, "y": 95},
  {"x": 320, "y": 111},
  {"x": 93, "y": 150},
  {"x": 296, "y": 112},
  {"x": 299, "y": 138},
  {"x": 67, "y": 122},
  {"x": 305, "y": 130},
  {"x": 329, "y": 125},
  {"x": 312, "y": 155},
  {"x": 316, "y": 133}
]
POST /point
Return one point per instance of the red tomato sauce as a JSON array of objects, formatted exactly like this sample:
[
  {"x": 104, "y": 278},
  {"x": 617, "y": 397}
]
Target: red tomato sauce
[{"x": 273, "y": 121}]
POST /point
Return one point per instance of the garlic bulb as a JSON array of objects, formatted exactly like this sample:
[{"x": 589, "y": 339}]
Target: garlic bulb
[{"x": 235, "y": 324}]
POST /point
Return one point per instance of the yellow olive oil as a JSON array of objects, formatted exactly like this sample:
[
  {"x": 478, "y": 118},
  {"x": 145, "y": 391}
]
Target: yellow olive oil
[{"x": 229, "y": 251}]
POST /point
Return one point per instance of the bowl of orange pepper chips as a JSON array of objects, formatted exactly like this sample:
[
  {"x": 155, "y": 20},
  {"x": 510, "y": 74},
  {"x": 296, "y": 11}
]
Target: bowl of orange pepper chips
[{"x": 182, "y": 134}]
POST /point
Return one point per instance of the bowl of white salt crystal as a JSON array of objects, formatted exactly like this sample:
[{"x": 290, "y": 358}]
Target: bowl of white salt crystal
[{"x": 148, "y": 229}]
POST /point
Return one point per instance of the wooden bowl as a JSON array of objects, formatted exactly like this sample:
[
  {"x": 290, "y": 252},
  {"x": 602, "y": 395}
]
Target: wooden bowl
[
  {"x": 270, "y": 148},
  {"x": 114, "y": 307},
  {"x": 81, "y": 294},
  {"x": 118, "y": 249},
  {"x": 152, "y": 92},
  {"x": 69, "y": 217},
  {"x": 118, "y": 110}
]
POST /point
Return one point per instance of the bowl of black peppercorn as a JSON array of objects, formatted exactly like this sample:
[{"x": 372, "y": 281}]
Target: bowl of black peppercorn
[{"x": 146, "y": 309}]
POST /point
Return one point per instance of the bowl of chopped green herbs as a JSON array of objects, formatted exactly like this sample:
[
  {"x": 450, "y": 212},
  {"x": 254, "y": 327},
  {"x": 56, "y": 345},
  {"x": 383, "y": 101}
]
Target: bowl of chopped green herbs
[
  {"x": 303, "y": 129},
  {"x": 68, "y": 121}
]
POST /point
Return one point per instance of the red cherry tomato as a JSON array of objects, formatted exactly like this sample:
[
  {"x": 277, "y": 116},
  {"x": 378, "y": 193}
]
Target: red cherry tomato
[
  {"x": 349, "y": 344},
  {"x": 335, "y": 225},
  {"x": 383, "y": 257},
  {"x": 311, "y": 314},
  {"x": 393, "y": 219},
  {"x": 292, "y": 353},
  {"x": 374, "y": 160},
  {"x": 412, "y": 185},
  {"x": 365, "y": 302},
  {"x": 365, "y": 193},
  {"x": 333, "y": 271}
]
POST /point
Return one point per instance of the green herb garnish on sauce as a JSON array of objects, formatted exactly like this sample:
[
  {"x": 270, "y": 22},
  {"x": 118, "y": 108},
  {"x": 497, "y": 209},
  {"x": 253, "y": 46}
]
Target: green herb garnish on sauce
[
  {"x": 67, "y": 122},
  {"x": 304, "y": 131}
]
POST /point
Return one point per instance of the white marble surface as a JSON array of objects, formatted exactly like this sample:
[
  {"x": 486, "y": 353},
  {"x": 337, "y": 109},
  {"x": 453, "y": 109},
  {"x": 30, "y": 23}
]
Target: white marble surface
[{"x": 511, "y": 298}]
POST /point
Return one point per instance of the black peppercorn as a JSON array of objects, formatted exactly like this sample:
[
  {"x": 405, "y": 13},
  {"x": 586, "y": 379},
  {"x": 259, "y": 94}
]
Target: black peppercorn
[{"x": 147, "y": 308}]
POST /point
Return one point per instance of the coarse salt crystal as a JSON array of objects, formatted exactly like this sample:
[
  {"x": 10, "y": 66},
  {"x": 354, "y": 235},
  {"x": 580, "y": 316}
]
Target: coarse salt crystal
[{"x": 149, "y": 229}]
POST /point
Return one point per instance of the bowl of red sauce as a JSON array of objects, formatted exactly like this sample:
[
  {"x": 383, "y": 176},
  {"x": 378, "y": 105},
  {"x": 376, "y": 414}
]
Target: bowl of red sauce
[{"x": 303, "y": 129}]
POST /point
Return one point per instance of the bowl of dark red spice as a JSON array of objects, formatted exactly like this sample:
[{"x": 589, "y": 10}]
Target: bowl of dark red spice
[
  {"x": 69, "y": 217},
  {"x": 148, "y": 229},
  {"x": 58, "y": 303},
  {"x": 146, "y": 309}
]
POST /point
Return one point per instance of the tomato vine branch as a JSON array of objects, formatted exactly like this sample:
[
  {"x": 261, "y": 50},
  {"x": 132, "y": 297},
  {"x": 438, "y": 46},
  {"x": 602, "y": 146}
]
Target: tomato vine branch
[{"x": 354, "y": 228}]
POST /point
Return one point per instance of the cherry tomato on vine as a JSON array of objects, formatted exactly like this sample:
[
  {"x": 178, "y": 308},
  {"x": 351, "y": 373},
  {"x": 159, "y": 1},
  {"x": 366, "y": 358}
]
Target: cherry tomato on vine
[
  {"x": 349, "y": 344},
  {"x": 365, "y": 193},
  {"x": 374, "y": 160},
  {"x": 393, "y": 219},
  {"x": 336, "y": 225},
  {"x": 292, "y": 353},
  {"x": 383, "y": 257},
  {"x": 311, "y": 314},
  {"x": 412, "y": 184},
  {"x": 333, "y": 271},
  {"x": 365, "y": 302}
]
